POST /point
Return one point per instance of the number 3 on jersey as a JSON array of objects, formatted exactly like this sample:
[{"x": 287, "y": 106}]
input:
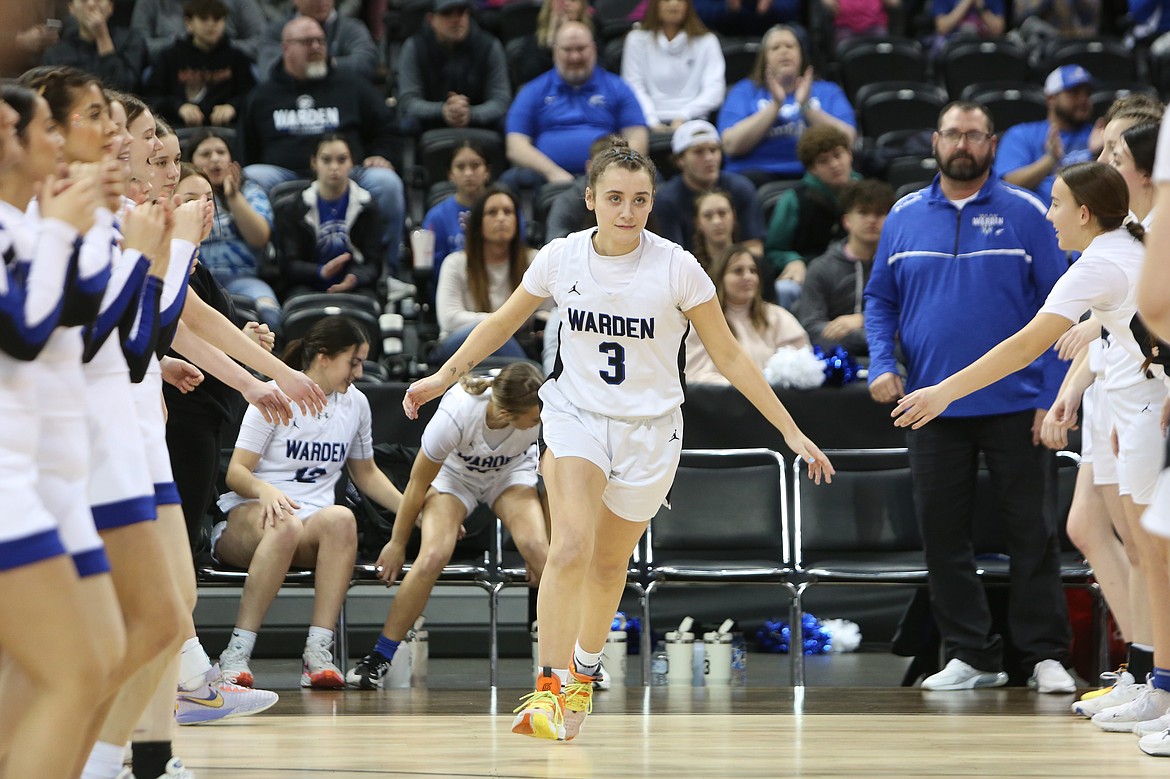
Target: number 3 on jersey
[{"x": 617, "y": 362}]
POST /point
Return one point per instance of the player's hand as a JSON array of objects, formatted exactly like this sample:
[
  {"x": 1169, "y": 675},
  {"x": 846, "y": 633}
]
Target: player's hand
[
  {"x": 389, "y": 563},
  {"x": 303, "y": 391},
  {"x": 261, "y": 334},
  {"x": 1076, "y": 338},
  {"x": 1057, "y": 422},
  {"x": 270, "y": 402},
  {"x": 275, "y": 506},
  {"x": 819, "y": 467},
  {"x": 422, "y": 391},
  {"x": 189, "y": 220},
  {"x": 920, "y": 406},
  {"x": 180, "y": 374},
  {"x": 887, "y": 388},
  {"x": 71, "y": 200}
]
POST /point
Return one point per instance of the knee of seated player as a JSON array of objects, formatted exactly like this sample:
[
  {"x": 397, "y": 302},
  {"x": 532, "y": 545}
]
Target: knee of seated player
[{"x": 334, "y": 526}]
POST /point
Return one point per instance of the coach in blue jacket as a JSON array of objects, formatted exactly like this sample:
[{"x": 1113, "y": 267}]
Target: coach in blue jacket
[{"x": 961, "y": 265}]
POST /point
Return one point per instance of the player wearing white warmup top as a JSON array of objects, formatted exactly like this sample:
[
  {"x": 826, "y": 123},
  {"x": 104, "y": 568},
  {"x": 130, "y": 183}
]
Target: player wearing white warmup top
[
  {"x": 1154, "y": 306},
  {"x": 281, "y": 509},
  {"x": 479, "y": 448},
  {"x": 611, "y": 415},
  {"x": 41, "y": 601}
]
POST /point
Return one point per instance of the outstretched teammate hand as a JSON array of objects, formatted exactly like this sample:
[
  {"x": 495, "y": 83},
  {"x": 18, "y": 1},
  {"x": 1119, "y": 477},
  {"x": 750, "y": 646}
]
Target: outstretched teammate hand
[
  {"x": 819, "y": 466},
  {"x": 389, "y": 563},
  {"x": 270, "y": 402},
  {"x": 920, "y": 406},
  {"x": 180, "y": 374},
  {"x": 420, "y": 392},
  {"x": 303, "y": 391}
]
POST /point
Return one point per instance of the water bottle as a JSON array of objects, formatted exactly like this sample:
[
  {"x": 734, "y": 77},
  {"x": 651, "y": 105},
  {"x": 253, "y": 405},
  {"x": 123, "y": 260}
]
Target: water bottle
[
  {"x": 699, "y": 664},
  {"x": 681, "y": 653},
  {"x": 659, "y": 666},
  {"x": 738, "y": 660},
  {"x": 400, "y": 665},
  {"x": 419, "y": 654},
  {"x": 613, "y": 657},
  {"x": 718, "y": 645}
]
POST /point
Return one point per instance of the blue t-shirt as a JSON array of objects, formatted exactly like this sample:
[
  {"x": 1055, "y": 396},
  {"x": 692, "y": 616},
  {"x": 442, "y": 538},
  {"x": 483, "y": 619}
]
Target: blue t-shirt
[
  {"x": 332, "y": 239},
  {"x": 1023, "y": 144},
  {"x": 776, "y": 153},
  {"x": 447, "y": 221},
  {"x": 563, "y": 120},
  {"x": 225, "y": 252}
]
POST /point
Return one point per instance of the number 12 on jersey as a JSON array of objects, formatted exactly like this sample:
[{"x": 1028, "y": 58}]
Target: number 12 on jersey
[{"x": 617, "y": 362}]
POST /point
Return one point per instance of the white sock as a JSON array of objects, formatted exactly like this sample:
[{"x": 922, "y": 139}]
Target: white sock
[
  {"x": 587, "y": 663},
  {"x": 193, "y": 665},
  {"x": 325, "y": 634},
  {"x": 1162, "y": 156},
  {"x": 104, "y": 762},
  {"x": 246, "y": 638}
]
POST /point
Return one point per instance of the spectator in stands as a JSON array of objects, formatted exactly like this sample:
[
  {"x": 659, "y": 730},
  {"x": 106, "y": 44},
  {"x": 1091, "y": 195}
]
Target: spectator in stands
[
  {"x": 534, "y": 56},
  {"x": 568, "y": 213},
  {"x": 1031, "y": 153},
  {"x": 761, "y": 327},
  {"x": 972, "y": 18},
  {"x": 1038, "y": 21},
  {"x": 555, "y": 117},
  {"x": 1151, "y": 21},
  {"x": 305, "y": 97},
  {"x": 116, "y": 55},
  {"x": 470, "y": 173},
  {"x": 202, "y": 78},
  {"x": 950, "y": 288},
  {"x": 165, "y": 22},
  {"x": 347, "y": 40},
  {"x": 476, "y": 281},
  {"x": 27, "y": 29},
  {"x": 808, "y": 217},
  {"x": 282, "y": 9},
  {"x": 451, "y": 73},
  {"x": 744, "y": 19},
  {"x": 765, "y": 114},
  {"x": 852, "y": 18},
  {"x": 832, "y": 306},
  {"x": 243, "y": 226},
  {"x": 330, "y": 238},
  {"x": 675, "y": 65},
  {"x": 698, "y": 154},
  {"x": 716, "y": 226}
]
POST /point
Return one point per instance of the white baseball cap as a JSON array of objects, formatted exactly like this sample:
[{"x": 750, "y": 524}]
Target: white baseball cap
[{"x": 691, "y": 134}]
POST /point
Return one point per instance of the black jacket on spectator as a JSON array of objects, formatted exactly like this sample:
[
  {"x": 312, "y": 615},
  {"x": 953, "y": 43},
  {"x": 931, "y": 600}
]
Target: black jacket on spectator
[
  {"x": 295, "y": 237},
  {"x": 283, "y": 118},
  {"x": 429, "y": 71},
  {"x": 121, "y": 69},
  {"x": 832, "y": 289},
  {"x": 225, "y": 70}
]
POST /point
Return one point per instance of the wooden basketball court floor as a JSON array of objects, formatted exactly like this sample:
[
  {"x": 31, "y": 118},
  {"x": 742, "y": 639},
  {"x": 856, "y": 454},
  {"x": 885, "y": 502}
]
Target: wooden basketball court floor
[{"x": 638, "y": 732}]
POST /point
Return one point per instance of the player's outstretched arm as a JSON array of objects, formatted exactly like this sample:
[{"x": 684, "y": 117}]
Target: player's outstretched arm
[
  {"x": 735, "y": 364},
  {"x": 488, "y": 335}
]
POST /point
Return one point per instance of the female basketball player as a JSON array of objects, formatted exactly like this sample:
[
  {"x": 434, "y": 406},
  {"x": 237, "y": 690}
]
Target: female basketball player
[
  {"x": 281, "y": 508},
  {"x": 479, "y": 448},
  {"x": 611, "y": 414},
  {"x": 42, "y": 605}
]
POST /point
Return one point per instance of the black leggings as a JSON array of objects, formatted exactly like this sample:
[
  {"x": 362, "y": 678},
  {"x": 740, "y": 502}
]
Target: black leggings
[{"x": 193, "y": 442}]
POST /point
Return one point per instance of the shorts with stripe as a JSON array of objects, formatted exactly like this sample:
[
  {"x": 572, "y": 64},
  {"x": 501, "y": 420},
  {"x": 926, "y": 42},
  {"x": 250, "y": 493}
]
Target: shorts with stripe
[
  {"x": 152, "y": 424},
  {"x": 120, "y": 489}
]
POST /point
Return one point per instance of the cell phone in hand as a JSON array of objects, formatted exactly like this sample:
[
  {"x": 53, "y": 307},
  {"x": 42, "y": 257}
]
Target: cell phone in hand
[{"x": 52, "y": 24}]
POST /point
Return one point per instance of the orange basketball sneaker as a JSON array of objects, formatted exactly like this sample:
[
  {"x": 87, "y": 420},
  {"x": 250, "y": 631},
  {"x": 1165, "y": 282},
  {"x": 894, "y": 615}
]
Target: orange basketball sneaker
[{"x": 541, "y": 713}]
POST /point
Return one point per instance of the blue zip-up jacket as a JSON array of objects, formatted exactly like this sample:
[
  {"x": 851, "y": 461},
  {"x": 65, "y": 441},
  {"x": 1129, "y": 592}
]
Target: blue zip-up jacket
[{"x": 954, "y": 283}]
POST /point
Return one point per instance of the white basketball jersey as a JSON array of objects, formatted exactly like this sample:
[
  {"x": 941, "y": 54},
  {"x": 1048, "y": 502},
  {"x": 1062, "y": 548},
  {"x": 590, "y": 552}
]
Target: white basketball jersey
[
  {"x": 304, "y": 458},
  {"x": 620, "y": 354},
  {"x": 455, "y": 437}
]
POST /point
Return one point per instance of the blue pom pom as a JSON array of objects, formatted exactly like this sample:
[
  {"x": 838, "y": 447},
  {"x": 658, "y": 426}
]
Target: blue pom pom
[{"x": 776, "y": 636}]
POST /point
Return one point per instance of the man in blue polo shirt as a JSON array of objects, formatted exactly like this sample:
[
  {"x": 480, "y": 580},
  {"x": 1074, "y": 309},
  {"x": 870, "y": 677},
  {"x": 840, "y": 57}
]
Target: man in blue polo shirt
[
  {"x": 556, "y": 116},
  {"x": 1032, "y": 152}
]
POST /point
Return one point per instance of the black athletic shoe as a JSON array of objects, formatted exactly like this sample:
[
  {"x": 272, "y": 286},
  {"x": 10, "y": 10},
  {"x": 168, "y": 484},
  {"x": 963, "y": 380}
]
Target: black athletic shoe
[{"x": 369, "y": 673}]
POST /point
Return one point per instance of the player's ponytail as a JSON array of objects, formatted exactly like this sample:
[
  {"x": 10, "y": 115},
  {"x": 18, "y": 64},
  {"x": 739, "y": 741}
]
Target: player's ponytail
[
  {"x": 515, "y": 388},
  {"x": 330, "y": 336}
]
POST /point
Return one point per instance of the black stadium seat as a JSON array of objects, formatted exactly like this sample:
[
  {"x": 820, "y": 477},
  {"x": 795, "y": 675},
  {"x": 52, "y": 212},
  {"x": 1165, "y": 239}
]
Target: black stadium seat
[
  {"x": 1009, "y": 104},
  {"x": 883, "y": 108},
  {"x": 964, "y": 62},
  {"x": 880, "y": 59}
]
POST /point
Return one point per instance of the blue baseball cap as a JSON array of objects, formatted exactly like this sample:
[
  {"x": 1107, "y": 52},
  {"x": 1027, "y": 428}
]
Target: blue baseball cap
[{"x": 1066, "y": 77}]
